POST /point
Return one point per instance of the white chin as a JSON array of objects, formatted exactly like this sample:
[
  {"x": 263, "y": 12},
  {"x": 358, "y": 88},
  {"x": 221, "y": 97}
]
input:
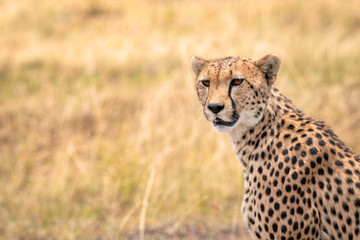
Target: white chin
[{"x": 219, "y": 128}]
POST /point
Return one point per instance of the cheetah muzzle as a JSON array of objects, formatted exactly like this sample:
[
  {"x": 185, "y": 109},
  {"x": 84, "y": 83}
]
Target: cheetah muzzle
[{"x": 301, "y": 180}]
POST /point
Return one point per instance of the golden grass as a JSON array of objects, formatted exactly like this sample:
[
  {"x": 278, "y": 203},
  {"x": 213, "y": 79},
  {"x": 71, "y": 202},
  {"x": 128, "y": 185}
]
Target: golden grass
[{"x": 101, "y": 134}]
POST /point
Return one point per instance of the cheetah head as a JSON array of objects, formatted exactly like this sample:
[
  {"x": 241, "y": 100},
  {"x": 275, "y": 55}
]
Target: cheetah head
[{"x": 234, "y": 91}]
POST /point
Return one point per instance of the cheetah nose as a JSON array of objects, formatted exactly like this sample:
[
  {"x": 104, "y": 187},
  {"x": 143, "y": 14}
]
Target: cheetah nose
[{"x": 215, "y": 107}]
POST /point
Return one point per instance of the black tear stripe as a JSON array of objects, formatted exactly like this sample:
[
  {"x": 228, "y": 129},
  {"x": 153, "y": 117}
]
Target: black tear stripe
[{"x": 235, "y": 116}]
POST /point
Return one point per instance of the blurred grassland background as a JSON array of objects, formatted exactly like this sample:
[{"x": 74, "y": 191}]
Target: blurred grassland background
[{"x": 101, "y": 132}]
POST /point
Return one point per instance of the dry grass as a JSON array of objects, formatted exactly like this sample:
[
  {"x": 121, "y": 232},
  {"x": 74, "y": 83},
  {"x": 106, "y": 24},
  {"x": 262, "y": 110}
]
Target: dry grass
[{"x": 101, "y": 134}]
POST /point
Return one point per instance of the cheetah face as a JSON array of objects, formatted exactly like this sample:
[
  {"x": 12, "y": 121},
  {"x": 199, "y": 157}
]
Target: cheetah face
[{"x": 234, "y": 91}]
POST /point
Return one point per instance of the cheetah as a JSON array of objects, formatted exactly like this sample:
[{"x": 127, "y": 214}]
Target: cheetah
[{"x": 301, "y": 181}]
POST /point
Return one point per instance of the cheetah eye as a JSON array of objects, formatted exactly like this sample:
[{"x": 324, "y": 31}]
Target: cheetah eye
[
  {"x": 236, "y": 81},
  {"x": 205, "y": 83}
]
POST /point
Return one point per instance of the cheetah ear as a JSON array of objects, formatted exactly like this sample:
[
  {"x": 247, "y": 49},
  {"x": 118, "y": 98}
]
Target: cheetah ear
[
  {"x": 197, "y": 64},
  {"x": 269, "y": 65}
]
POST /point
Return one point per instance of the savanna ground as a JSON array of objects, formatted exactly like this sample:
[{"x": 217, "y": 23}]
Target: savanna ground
[{"x": 101, "y": 133}]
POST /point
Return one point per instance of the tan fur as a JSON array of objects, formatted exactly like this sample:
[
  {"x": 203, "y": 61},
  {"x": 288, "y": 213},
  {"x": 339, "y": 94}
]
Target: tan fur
[{"x": 301, "y": 181}]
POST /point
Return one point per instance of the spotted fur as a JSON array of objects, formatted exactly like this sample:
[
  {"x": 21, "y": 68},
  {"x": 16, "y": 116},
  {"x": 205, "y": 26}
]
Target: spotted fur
[{"x": 301, "y": 180}]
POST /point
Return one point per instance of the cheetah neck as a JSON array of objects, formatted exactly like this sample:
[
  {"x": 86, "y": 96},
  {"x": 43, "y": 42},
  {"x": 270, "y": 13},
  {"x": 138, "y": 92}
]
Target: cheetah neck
[{"x": 250, "y": 143}]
